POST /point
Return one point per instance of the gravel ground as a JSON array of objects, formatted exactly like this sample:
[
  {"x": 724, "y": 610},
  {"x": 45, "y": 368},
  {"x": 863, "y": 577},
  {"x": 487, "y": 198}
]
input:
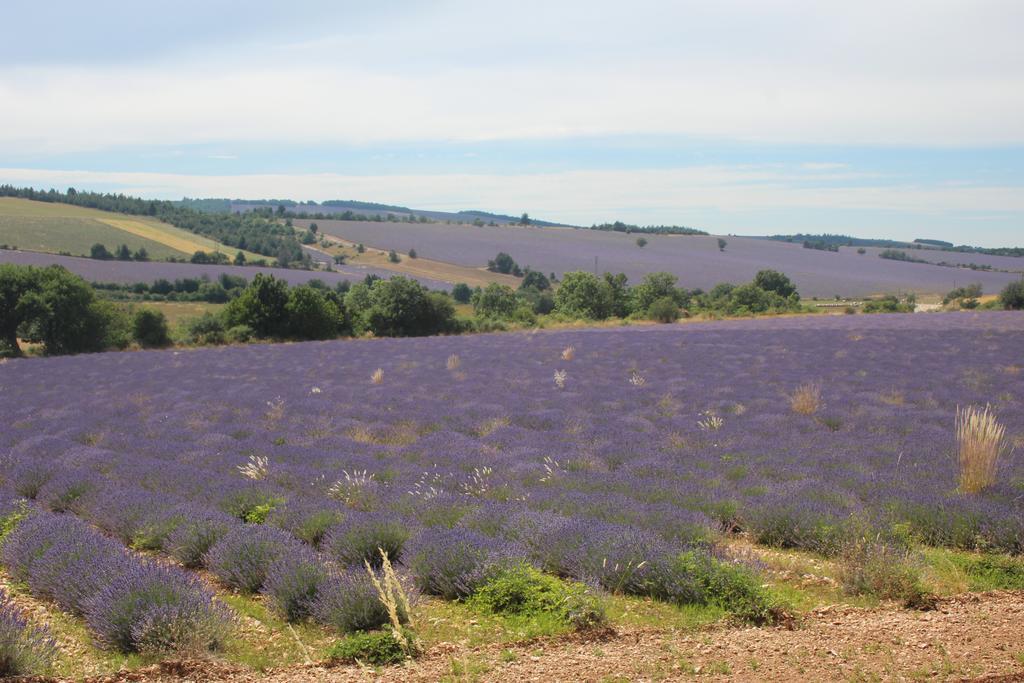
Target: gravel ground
[{"x": 971, "y": 637}]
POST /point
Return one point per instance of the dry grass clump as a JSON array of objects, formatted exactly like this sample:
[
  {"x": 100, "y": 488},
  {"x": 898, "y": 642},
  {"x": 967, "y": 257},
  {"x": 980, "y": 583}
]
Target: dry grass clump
[
  {"x": 453, "y": 362},
  {"x": 378, "y": 376},
  {"x": 568, "y": 353},
  {"x": 981, "y": 441},
  {"x": 806, "y": 399},
  {"x": 392, "y": 596}
]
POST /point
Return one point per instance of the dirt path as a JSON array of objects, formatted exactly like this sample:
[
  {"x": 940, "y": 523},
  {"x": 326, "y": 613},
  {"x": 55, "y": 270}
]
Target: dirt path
[{"x": 968, "y": 637}]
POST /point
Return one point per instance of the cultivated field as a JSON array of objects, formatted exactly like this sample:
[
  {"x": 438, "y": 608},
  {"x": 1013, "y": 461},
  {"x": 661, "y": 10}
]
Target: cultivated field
[
  {"x": 695, "y": 259},
  {"x": 133, "y": 271},
  {"x": 596, "y": 455},
  {"x": 54, "y": 227}
]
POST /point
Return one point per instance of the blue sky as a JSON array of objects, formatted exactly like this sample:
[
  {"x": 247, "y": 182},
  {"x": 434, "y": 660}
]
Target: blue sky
[{"x": 890, "y": 119}]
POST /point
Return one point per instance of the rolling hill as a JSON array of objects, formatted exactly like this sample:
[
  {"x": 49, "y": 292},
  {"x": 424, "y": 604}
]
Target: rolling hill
[
  {"x": 54, "y": 228},
  {"x": 696, "y": 259}
]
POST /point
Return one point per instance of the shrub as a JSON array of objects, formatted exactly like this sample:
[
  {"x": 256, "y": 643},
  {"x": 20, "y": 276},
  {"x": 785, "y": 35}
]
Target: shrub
[
  {"x": 521, "y": 590},
  {"x": 362, "y": 536},
  {"x": 204, "y": 330},
  {"x": 239, "y": 334},
  {"x": 1012, "y": 296},
  {"x": 348, "y": 601},
  {"x": 157, "y": 609},
  {"x": 980, "y": 443},
  {"x": 293, "y": 583},
  {"x": 453, "y": 563},
  {"x": 25, "y": 649},
  {"x": 664, "y": 310},
  {"x": 379, "y": 648},
  {"x": 245, "y": 555},
  {"x": 193, "y": 538},
  {"x": 149, "y": 328},
  {"x": 732, "y": 587},
  {"x": 885, "y": 570}
]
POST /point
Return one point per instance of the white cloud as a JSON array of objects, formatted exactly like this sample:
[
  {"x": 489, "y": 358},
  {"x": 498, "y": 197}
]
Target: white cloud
[{"x": 949, "y": 73}]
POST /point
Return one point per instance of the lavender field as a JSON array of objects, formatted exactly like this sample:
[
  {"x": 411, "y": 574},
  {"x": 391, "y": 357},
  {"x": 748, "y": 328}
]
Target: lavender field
[
  {"x": 695, "y": 259},
  {"x": 129, "y": 272},
  {"x": 597, "y": 455}
]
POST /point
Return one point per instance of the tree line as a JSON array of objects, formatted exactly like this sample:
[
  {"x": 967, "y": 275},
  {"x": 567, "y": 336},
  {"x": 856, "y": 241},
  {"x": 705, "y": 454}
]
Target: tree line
[{"x": 255, "y": 231}]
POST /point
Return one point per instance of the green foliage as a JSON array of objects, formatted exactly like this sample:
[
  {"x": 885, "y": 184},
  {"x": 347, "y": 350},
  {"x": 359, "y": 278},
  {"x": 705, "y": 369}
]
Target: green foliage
[
  {"x": 311, "y": 314},
  {"x": 400, "y": 307},
  {"x": 462, "y": 293},
  {"x": 774, "y": 281},
  {"x": 664, "y": 310},
  {"x": 503, "y": 263},
  {"x": 656, "y": 286},
  {"x": 524, "y": 591},
  {"x": 535, "y": 279},
  {"x": 583, "y": 295},
  {"x": 721, "y": 244},
  {"x": 495, "y": 301},
  {"x": 887, "y": 304},
  {"x": 262, "y": 306},
  {"x": 732, "y": 587},
  {"x": 964, "y": 295},
  {"x": 412, "y": 253},
  {"x": 884, "y": 569},
  {"x": 393, "y": 256},
  {"x": 58, "y": 309},
  {"x": 641, "y": 242},
  {"x": 1012, "y": 296},
  {"x": 205, "y": 329},
  {"x": 149, "y": 328},
  {"x": 378, "y": 648}
]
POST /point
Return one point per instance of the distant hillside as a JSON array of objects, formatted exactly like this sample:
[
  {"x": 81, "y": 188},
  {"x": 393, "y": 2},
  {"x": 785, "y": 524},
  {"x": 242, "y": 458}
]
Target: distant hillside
[
  {"x": 350, "y": 209},
  {"x": 826, "y": 240}
]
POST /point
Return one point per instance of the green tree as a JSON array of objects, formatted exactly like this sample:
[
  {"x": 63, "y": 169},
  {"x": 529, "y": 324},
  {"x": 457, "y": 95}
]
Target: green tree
[
  {"x": 641, "y": 242},
  {"x": 66, "y": 317},
  {"x": 239, "y": 259},
  {"x": 311, "y": 314},
  {"x": 664, "y": 310},
  {"x": 412, "y": 253},
  {"x": 503, "y": 263},
  {"x": 393, "y": 256},
  {"x": 141, "y": 254},
  {"x": 495, "y": 301},
  {"x": 400, "y": 307},
  {"x": 525, "y": 219},
  {"x": 721, "y": 244},
  {"x": 98, "y": 251},
  {"x": 15, "y": 283},
  {"x": 656, "y": 286},
  {"x": 774, "y": 281},
  {"x": 583, "y": 295},
  {"x": 618, "y": 293},
  {"x": 1012, "y": 296},
  {"x": 261, "y": 306},
  {"x": 149, "y": 328},
  {"x": 535, "y": 279},
  {"x": 123, "y": 253},
  {"x": 357, "y": 306},
  {"x": 462, "y": 293}
]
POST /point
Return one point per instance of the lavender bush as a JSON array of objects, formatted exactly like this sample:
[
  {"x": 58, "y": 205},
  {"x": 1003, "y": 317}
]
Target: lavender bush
[
  {"x": 349, "y": 602},
  {"x": 245, "y": 555},
  {"x": 293, "y": 583},
  {"x": 157, "y": 609},
  {"x": 25, "y": 649}
]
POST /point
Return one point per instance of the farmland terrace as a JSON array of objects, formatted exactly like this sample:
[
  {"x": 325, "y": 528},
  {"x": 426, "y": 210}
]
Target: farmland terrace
[{"x": 696, "y": 259}]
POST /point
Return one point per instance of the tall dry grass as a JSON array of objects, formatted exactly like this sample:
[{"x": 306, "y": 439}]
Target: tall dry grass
[
  {"x": 806, "y": 399},
  {"x": 378, "y": 376},
  {"x": 981, "y": 442}
]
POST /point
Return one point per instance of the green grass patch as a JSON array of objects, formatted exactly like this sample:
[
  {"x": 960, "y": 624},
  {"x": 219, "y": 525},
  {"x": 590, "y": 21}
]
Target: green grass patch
[
  {"x": 955, "y": 571},
  {"x": 379, "y": 648},
  {"x": 526, "y": 593}
]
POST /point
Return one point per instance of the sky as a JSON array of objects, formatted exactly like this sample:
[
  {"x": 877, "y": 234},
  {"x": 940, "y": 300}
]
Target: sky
[{"x": 899, "y": 119}]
